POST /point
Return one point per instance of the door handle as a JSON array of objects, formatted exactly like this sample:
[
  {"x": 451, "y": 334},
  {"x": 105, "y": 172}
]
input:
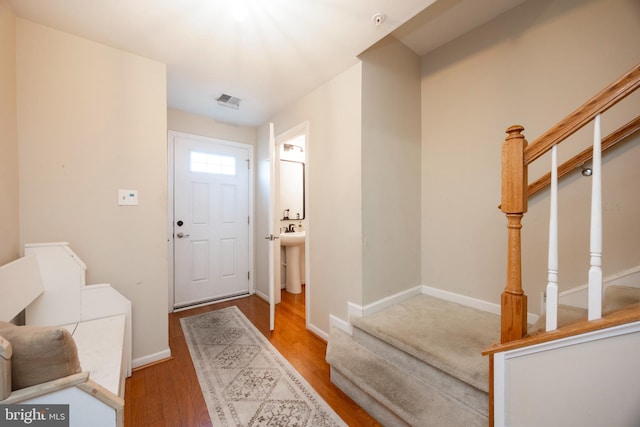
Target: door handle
[
  {"x": 181, "y": 235},
  {"x": 271, "y": 237}
]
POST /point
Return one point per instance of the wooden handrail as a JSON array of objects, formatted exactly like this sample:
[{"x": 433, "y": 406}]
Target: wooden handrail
[
  {"x": 586, "y": 155},
  {"x": 628, "y": 314},
  {"x": 517, "y": 154},
  {"x": 599, "y": 103}
]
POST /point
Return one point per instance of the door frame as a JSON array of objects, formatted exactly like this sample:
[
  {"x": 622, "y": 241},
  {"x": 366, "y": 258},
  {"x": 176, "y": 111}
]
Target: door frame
[
  {"x": 171, "y": 134},
  {"x": 299, "y": 129}
]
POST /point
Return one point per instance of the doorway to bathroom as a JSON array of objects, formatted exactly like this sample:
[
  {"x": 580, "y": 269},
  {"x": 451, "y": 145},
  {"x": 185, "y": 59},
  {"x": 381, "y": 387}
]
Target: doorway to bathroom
[{"x": 291, "y": 270}]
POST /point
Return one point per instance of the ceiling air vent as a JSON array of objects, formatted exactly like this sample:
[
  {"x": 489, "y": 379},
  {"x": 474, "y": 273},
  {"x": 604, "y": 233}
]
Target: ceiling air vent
[{"x": 229, "y": 101}]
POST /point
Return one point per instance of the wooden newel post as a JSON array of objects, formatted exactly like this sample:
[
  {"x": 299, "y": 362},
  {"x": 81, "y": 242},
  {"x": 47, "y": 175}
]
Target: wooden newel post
[{"x": 514, "y": 205}]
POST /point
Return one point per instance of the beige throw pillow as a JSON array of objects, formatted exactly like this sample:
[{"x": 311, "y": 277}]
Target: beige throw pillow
[{"x": 40, "y": 354}]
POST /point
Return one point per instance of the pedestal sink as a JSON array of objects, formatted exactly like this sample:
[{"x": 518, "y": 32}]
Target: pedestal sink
[{"x": 293, "y": 243}]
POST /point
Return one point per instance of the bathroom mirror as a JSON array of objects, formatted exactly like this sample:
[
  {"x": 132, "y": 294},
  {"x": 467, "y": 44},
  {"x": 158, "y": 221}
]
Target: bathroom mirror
[{"x": 291, "y": 190}]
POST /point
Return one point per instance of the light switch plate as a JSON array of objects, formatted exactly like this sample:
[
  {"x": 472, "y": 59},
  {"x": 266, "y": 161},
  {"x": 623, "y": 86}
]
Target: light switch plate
[{"x": 127, "y": 197}]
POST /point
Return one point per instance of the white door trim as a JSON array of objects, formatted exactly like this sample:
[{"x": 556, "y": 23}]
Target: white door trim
[
  {"x": 170, "y": 187},
  {"x": 299, "y": 129}
]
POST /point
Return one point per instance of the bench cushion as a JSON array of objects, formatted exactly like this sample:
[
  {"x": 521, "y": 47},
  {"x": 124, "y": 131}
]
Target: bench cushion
[{"x": 40, "y": 354}]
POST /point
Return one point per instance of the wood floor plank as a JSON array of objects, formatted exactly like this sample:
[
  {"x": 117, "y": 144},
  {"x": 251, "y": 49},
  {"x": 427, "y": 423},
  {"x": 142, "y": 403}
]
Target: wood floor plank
[
  {"x": 152, "y": 401},
  {"x": 168, "y": 394}
]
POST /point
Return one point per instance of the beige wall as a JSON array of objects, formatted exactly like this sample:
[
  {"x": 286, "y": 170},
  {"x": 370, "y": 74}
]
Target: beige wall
[
  {"x": 530, "y": 66},
  {"x": 333, "y": 172},
  {"x": 364, "y": 145},
  {"x": 92, "y": 120},
  {"x": 9, "y": 223},
  {"x": 194, "y": 124},
  {"x": 390, "y": 169}
]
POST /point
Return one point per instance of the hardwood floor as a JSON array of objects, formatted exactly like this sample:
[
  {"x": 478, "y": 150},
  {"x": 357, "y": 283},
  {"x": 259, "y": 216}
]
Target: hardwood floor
[{"x": 167, "y": 394}]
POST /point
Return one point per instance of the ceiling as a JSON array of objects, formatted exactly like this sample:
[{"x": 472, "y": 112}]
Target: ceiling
[{"x": 268, "y": 53}]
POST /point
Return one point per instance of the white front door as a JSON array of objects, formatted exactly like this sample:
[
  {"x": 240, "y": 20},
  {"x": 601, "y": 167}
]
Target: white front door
[{"x": 210, "y": 220}]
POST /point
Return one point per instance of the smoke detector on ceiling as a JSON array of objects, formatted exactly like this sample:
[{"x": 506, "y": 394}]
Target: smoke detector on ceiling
[
  {"x": 378, "y": 18},
  {"x": 229, "y": 101}
]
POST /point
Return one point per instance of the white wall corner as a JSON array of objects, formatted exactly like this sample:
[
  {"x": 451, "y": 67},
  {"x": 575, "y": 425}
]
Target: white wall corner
[
  {"x": 151, "y": 358},
  {"x": 354, "y": 310},
  {"x": 343, "y": 325},
  {"x": 262, "y": 295},
  {"x": 391, "y": 300}
]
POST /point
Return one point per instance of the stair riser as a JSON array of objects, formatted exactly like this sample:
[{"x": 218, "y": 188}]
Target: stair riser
[
  {"x": 468, "y": 395},
  {"x": 366, "y": 402},
  {"x": 393, "y": 395}
]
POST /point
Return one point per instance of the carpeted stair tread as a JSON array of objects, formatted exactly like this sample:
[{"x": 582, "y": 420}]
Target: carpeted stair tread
[
  {"x": 616, "y": 297},
  {"x": 567, "y": 315},
  {"x": 408, "y": 398},
  {"x": 443, "y": 334}
]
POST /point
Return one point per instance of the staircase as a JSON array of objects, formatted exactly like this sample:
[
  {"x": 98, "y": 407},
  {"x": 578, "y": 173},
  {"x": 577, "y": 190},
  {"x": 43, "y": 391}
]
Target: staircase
[{"x": 417, "y": 363}]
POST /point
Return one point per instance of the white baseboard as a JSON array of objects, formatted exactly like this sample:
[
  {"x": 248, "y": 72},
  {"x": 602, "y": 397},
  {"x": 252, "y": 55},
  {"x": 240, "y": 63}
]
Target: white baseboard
[
  {"x": 146, "y": 360},
  {"x": 343, "y": 325},
  {"x": 262, "y": 295},
  {"x": 471, "y": 302},
  {"x": 630, "y": 277},
  {"x": 356, "y": 310},
  {"x": 578, "y": 296},
  {"x": 319, "y": 332},
  {"x": 389, "y": 301},
  {"x": 462, "y": 299}
]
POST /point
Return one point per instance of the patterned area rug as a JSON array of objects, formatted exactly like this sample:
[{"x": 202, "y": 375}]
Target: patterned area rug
[{"x": 244, "y": 380}]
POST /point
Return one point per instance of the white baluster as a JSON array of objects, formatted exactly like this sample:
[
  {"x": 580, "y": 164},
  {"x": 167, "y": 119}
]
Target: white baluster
[
  {"x": 595, "y": 247},
  {"x": 552, "y": 280}
]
